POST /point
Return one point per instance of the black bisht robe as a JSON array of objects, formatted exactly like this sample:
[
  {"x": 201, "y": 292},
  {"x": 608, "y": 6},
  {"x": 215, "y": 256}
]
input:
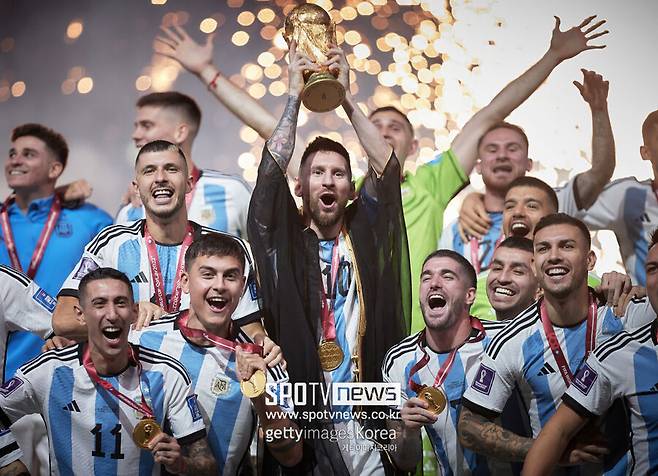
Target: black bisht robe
[{"x": 287, "y": 258}]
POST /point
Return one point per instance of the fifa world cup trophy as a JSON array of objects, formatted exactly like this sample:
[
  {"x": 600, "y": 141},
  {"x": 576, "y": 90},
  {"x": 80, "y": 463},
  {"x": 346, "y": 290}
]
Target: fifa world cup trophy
[{"x": 310, "y": 26}]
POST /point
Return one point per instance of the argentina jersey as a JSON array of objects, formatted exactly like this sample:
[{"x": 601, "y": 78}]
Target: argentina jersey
[
  {"x": 229, "y": 416},
  {"x": 89, "y": 430},
  {"x": 626, "y": 366},
  {"x": 220, "y": 202},
  {"x": 123, "y": 247},
  {"x": 451, "y": 240},
  {"x": 398, "y": 362}
]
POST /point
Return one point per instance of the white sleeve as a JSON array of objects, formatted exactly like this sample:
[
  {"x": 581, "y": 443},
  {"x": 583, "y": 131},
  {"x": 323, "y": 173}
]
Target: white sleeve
[
  {"x": 87, "y": 263},
  {"x": 248, "y": 308},
  {"x": 638, "y": 313},
  {"x": 16, "y": 400},
  {"x": 25, "y": 306},
  {"x": 394, "y": 375},
  {"x": 603, "y": 214},
  {"x": 591, "y": 392},
  {"x": 244, "y": 198},
  {"x": 445, "y": 242},
  {"x": 183, "y": 412}
]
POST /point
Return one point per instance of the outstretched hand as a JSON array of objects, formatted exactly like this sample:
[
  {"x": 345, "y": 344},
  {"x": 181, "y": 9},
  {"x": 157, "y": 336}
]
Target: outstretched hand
[
  {"x": 178, "y": 45},
  {"x": 569, "y": 43},
  {"x": 593, "y": 89}
]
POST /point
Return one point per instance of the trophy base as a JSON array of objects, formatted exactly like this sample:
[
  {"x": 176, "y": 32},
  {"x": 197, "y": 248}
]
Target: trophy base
[{"x": 323, "y": 92}]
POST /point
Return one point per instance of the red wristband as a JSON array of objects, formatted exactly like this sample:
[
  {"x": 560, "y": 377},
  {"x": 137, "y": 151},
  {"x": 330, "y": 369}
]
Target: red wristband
[{"x": 213, "y": 84}]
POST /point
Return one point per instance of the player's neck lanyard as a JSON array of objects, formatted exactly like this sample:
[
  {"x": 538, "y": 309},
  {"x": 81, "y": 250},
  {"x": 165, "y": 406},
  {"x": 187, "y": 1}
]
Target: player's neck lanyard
[
  {"x": 196, "y": 175},
  {"x": 156, "y": 272},
  {"x": 328, "y": 318},
  {"x": 40, "y": 249},
  {"x": 444, "y": 370},
  {"x": 554, "y": 343},
  {"x": 215, "y": 340},
  {"x": 142, "y": 407},
  {"x": 475, "y": 252}
]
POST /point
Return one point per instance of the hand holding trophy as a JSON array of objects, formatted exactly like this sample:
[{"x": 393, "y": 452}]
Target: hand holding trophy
[{"x": 311, "y": 28}]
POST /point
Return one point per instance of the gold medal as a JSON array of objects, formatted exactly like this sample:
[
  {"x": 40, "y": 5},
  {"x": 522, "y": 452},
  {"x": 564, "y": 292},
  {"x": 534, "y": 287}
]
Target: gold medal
[
  {"x": 144, "y": 431},
  {"x": 434, "y": 397},
  {"x": 331, "y": 355},
  {"x": 255, "y": 386}
]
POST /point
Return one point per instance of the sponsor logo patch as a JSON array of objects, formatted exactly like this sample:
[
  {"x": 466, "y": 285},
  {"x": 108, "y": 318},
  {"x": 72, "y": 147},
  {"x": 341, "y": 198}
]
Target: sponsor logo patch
[
  {"x": 87, "y": 265},
  {"x": 484, "y": 379},
  {"x": 45, "y": 300},
  {"x": 10, "y": 386},
  {"x": 253, "y": 290},
  {"x": 193, "y": 405},
  {"x": 585, "y": 378}
]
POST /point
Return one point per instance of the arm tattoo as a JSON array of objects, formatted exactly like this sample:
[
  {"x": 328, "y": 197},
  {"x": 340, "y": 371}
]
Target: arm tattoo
[
  {"x": 199, "y": 460},
  {"x": 282, "y": 143},
  {"x": 485, "y": 437},
  {"x": 16, "y": 468}
]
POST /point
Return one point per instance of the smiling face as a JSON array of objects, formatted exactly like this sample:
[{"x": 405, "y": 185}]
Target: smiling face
[
  {"x": 325, "y": 187},
  {"x": 397, "y": 133},
  {"x": 503, "y": 157},
  {"x": 562, "y": 259},
  {"x": 445, "y": 293},
  {"x": 524, "y": 207},
  {"x": 215, "y": 285},
  {"x": 108, "y": 310},
  {"x": 511, "y": 283},
  {"x": 31, "y": 165},
  {"x": 162, "y": 180}
]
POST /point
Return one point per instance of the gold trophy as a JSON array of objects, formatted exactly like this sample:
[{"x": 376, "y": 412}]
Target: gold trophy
[{"x": 310, "y": 26}]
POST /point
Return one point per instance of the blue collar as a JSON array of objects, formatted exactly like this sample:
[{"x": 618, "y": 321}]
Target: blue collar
[{"x": 35, "y": 206}]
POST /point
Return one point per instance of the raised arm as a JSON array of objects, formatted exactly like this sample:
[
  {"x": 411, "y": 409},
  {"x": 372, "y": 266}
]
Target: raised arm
[
  {"x": 564, "y": 45},
  {"x": 407, "y": 444},
  {"x": 197, "y": 59},
  {"x": 589, "y": 184},
  {"x": 374, "y": 145}
]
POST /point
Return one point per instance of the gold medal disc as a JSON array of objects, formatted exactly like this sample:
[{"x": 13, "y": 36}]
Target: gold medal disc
[
  {"x": 255, "y": 386},
  {"x": 144, "y": 431},
  {"x": 331, "y": 355},
  {"x": 434, "y": 397}
]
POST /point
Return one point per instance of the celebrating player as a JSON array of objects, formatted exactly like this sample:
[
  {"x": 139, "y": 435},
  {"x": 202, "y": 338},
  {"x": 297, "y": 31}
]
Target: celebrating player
[
  {"x": 105, "y": 399},
  {"x": 204, "y": 340},
  {"x": 336, "y": 321},
  {"x": 434, "y": 365}
]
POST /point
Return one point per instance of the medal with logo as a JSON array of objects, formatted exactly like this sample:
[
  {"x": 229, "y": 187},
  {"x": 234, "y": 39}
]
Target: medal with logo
[
  {"x": 156, "y": 273},
  {"x": 329, "y": 352},
  {"x": 433, "y": 395},
  {"x": 554, "y": 343},
  {"x": 255, "y": 385},
  {"x": 147, "y": 428},
  {"x": 40, "y": 248}
]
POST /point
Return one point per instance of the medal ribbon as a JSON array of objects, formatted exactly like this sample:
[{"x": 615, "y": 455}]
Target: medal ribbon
[
  {"x": 156, "y": 272},
  {"x": 475, "y": 252},
  {"x": 40, "y": 249},
  {"x": 554, "y": 343},
  {"x": 328, "y": 321},
  {"x": 217, "y": 341},
  {"x": 142, "y": 407},
  {"x": 196, "y": 175},
  {"x": 443, "y": 372}
]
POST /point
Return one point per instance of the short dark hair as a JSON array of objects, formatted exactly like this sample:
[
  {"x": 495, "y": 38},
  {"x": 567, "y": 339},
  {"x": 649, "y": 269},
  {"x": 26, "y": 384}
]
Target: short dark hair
[
  {"x": 103, "y": 273},
  {"x": 534, "y": 182},
  {"x": 467, "y": 267},
  {"x": 160, "y": 146},
  {"x": 517, "y": 243},
  {"x": 564, "y": 219},
  {"x": 181, "y": 103},
  {"x": 654, "y": 238},
  {"x": 396, "y": 110},
  {"x": 506, "y": 125},
  {"x": 53, "y": 140},
  {"x": 321, "y": 143},
  {"x": 215, "y": 244},
  {"x": 648, "y": 125}
]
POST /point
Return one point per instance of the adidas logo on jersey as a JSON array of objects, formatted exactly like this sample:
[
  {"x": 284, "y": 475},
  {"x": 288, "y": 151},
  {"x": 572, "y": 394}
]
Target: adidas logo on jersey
[
  {"x": 139, "y": 278},
  {"x": 72, "y": 407},
  {"x": 546, "y": 370},
  {"x": 654, "y": 388}
]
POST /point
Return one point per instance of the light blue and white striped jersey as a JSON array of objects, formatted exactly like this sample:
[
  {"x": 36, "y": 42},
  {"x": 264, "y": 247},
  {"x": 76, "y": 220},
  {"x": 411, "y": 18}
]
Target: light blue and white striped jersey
[
  {"x": 228, "y": 414},
  {"x": 629, "y": 208},
  {"x": 90, "y": 430},
  {"x": 452, "y": 458},
  {"x": 626, "y": 366},
  {"x": 220, "y": 201},
  {"x": 123, "y": 247},
  {"x": 521, "y": 356}
]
